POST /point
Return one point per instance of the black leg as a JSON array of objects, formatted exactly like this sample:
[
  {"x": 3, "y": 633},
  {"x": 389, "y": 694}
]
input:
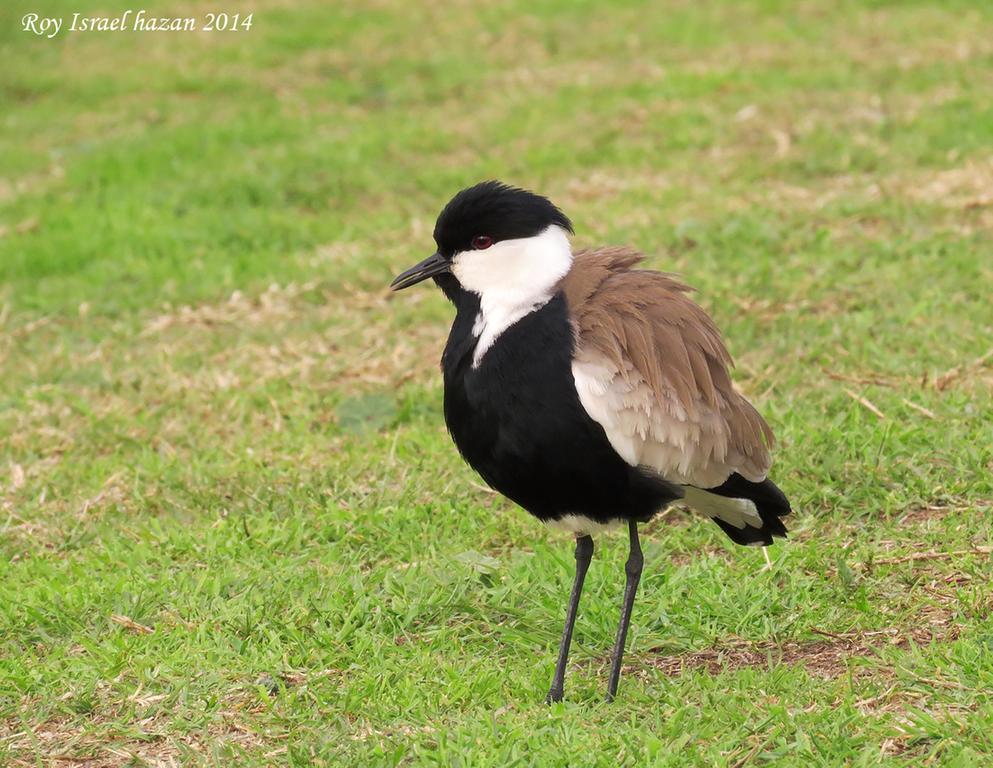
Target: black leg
[
  {"x": 633, "y": 571},
  {"x": 584, "y": 553}
]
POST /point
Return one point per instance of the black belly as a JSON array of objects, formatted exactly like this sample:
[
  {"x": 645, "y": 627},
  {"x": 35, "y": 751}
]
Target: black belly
[{"x": 518, "y": 421}]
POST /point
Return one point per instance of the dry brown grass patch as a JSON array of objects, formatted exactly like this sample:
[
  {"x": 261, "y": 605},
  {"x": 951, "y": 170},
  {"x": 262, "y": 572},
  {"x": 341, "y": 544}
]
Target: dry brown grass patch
[
  {"x": 827, "y": 658},
  {"x": 66, "y": 741},
  {"x": 922, "y": 514}
]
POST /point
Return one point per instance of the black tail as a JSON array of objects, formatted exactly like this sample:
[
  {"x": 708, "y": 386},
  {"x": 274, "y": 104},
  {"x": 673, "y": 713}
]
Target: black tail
[{"x": 739, "y": 520}]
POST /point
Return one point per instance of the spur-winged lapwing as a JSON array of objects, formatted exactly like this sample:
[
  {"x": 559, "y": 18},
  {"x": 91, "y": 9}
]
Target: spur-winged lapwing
[{"x": 587, "y": 391}]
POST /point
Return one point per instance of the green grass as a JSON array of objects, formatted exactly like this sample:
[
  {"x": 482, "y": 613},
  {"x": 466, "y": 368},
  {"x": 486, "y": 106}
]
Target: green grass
[{"x": 233, "y": 529}]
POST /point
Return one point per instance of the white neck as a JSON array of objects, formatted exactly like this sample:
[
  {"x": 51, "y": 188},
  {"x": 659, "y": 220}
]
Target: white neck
[{"x": 512, "y": 278}]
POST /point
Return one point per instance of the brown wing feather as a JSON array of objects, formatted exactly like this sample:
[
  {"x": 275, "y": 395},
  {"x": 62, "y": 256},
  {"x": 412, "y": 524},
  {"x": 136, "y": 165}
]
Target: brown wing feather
[{"x": 652, "y": 368}]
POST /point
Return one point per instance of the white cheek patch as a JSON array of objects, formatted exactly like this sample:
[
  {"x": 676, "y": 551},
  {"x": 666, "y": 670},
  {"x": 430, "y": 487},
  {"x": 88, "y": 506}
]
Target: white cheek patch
[
  {"x": 736, "y": 512},
  {"x": 512, "y": 279}
]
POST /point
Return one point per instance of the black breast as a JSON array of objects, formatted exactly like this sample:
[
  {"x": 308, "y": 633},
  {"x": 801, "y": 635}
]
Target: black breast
[{"x": 518, "y": 421}]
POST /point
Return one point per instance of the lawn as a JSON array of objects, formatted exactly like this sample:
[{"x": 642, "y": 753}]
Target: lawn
[{"x": 233, "y": 529}]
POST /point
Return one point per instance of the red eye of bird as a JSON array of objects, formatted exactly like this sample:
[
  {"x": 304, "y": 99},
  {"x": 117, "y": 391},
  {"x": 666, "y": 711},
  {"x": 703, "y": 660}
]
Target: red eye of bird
[{"x": 482, "y": 242}]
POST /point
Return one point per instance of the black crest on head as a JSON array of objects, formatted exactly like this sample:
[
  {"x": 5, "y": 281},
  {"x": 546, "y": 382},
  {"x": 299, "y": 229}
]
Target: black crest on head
[{"x": 497, "y": 211}]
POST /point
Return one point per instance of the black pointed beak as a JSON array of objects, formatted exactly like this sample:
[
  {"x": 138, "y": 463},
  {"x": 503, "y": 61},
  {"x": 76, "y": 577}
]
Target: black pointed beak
[{"x": 435, "y": 264}]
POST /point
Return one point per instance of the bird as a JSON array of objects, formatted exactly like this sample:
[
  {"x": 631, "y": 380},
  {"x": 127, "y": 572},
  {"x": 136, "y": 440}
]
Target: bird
[{"x": 588, "y": 391}]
